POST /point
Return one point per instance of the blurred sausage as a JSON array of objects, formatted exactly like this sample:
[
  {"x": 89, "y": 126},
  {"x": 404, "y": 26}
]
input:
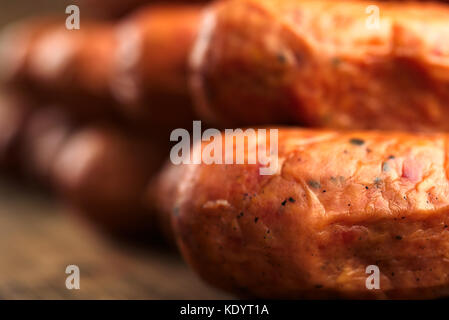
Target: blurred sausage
[
  {"x": 104, "y": 173},
  {"x": 17, "y": 44},
  {"x": 161, "y": 196},
  {"x": 141, "y": 64},
  {"x": 44, "y": 134},
  {"x": 118, "y": 8},
  {"x": 14, "y": 113},
  {"x": 315, "y": 63},
  {"x": 48, "y": 61},
  {"x": 151, "y": 66},
  {"x": 324, "y": 64},
  {"x": 110, "y": 8}
]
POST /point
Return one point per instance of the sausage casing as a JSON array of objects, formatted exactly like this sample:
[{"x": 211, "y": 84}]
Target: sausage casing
[
  {"x": 103, "y": 173},
  {"x": 324, "y": 64},
  {"x": 339, "y": 202}
]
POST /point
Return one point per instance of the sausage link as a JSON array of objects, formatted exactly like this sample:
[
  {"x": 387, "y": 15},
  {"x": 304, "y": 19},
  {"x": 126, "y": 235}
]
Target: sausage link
[
  {"x": 151, "y": 72},
  {"x": 324, "y": 64},
  {"x": 103, "y": 173},
  {"x": 338, "y": 203},
  {"x": 54, "y": 64},
  {"x": 119, "y": 8},
  {"x": 316, "y": 63},
  {"x": 14, "y": 116},
  {"x": 43, "y": 136},
  {"x": 141, "y": 63}
]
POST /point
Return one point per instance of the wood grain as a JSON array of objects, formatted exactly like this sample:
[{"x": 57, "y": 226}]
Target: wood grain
[{"x": 38, "y": 240}]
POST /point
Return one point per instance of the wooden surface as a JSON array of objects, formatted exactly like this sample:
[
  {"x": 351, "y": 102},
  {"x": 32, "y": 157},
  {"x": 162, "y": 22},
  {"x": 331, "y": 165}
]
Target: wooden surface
[{"x": 38, "y": 240}]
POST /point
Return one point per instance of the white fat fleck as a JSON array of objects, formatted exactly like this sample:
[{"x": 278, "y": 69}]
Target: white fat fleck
[{"x": 216, "y": 204}]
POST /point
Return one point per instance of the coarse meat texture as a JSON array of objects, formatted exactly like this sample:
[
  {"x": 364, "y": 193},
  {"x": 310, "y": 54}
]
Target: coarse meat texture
[
  {"x": 324, "y": 64},
  {"x": 338, "y": 203}
]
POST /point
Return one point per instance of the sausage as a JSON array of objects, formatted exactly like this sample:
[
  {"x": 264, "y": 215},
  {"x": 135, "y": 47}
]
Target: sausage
[
  {"x": 118, "y": 8},
  {"x": 338, "y": 203},
  {"x": 100, "y": 170},
  {"x": 14, "y": 115},
  {"x": 45, "y": 60},
  {"x": 151, "y": 74},
  {"x": 16, "y": 48},
  {"x": 136, "y": 69},
  {"x": 44, "y": 134},
  {"x": 111, "y": 9},
  {"x": 313, "y": 63},
  {"x": 103, "y": 173},
  {"x": 316, "y": 63},
  {"x": 160, "y": 197}
]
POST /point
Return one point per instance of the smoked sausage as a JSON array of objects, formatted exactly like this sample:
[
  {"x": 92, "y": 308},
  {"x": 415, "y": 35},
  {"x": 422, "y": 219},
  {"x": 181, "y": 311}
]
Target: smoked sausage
[{"x": 338, "y": 203}]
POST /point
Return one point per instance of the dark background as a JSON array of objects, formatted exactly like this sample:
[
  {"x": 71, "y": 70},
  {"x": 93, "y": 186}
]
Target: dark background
[{"x": 11, "y": 10}]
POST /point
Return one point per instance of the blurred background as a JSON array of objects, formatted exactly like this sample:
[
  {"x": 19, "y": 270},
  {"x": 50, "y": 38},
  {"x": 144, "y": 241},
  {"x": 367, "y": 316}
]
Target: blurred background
[
  {"x": 40, "y": 235},
  {"x": 17, "y": 9}
]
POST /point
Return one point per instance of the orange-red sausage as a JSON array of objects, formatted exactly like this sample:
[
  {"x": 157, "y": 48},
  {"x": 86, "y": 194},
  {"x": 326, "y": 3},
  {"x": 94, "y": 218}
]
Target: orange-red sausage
[
  {"x": 53, "y": 64},
  {"x": 140, "y": 63},
  {"x": 151, "y": 78},
  {"x": 324, "y": 64},
  {"x": 316, "y": 63},
  {"x": 338, "y": 203},
  {"x": 118, "y": 8},
  {"x": 111, "y": 8},
  {"x": 103, "y": 173}
]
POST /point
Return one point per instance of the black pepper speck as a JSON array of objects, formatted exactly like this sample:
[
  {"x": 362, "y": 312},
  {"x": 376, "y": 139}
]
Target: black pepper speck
[
  {"x": 314, "y": 184},
  {"x": 357, "y": 141},
  {"x": 281, "y": 58},
  {"x": 335, "y": 61}
]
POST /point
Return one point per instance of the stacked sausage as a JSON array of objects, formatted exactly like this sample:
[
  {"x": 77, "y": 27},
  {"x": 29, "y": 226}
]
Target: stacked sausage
[{"x": 340, "y": 200}]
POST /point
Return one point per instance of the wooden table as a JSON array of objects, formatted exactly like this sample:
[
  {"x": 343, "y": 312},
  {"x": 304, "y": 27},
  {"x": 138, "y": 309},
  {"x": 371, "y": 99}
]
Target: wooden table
[{"x": 38, "y": 240}]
